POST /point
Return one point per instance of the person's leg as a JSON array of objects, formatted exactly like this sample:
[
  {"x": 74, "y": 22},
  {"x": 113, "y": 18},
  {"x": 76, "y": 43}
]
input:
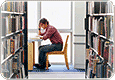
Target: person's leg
[
  {"x": 40, "y": 57},
  {"x": 41, "y": 46},
  {"x": 47, "y": 48},
  {"x": 42, "y": 53}
]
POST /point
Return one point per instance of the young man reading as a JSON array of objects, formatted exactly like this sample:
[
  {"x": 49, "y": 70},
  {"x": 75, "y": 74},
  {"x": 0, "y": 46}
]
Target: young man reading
[{"x": 54, "y": 36}]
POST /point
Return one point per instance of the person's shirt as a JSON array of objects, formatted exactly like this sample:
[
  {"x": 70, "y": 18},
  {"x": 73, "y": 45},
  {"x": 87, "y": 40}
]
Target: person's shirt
[{"x": 52, "y": 33}]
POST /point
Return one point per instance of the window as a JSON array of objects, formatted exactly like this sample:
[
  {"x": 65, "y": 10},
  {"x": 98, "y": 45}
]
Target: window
[
  {"x": 32, "y": 15},
  {"x": 58, "y": 13}
]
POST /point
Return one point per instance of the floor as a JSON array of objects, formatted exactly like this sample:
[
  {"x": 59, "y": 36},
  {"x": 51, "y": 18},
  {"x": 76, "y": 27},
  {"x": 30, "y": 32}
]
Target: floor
[{"x": 57, "y": 71}]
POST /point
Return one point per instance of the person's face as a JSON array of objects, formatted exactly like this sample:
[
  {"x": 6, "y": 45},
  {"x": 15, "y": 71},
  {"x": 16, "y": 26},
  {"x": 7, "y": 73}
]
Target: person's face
[{"x": 43, "y": 25}]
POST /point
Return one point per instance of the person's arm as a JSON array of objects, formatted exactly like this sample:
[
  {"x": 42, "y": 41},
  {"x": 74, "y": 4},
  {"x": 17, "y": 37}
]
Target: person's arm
[{"x": 49, "y": 33}]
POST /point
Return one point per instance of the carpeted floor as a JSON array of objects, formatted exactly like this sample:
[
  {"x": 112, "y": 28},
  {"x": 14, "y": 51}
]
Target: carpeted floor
[{"x": 58, "y": 68}]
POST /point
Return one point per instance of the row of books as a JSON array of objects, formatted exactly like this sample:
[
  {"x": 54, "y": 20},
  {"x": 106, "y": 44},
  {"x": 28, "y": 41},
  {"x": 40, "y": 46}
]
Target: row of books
[
  {"x": 100, "y": 7},
  {"x": 110, "y": 57},
  {"x": 7, "y": 68},
  {"x": 13, "y": 6},
  {"x": 18, "y": 67},
  {"x": 11, "y": 45},
  {"x": 102, "y": 26},
  {"x": 92, "y": 56},
  {"x": 13, "y": 66},
  {"x": 97, "y": 68},
  {"x": 92, "y": 60},
  {"x": 12, "y": 24},
  {"x": 103, "y": 71},
  {"x": 103, "y": 48},
  {"x": 100, "y": 39},
  {"x": 19, "y": 41}
]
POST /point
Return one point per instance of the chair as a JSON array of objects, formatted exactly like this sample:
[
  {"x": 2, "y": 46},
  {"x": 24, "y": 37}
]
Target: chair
[{"x": 63, "y": 52}]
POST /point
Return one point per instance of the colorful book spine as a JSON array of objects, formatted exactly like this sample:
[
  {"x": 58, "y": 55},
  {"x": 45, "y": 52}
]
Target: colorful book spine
[
  {"x": 12, "y": 46},
  {"x": 8, "y": 6}
]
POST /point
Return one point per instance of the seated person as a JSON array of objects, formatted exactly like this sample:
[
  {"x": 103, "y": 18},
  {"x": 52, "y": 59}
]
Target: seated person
[{"x": 55, "y": 38}]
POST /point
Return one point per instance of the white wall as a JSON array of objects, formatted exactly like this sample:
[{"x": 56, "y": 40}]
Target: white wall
[{"x": 78, "y": 30}]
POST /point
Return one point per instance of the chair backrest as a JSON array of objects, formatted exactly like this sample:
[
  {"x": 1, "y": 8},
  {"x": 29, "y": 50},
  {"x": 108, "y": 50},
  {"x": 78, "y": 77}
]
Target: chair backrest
[{"x": 65, "y": 47}]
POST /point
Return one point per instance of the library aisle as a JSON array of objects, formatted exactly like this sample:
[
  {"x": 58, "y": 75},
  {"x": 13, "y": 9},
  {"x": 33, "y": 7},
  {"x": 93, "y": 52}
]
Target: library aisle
[
  {"x": 88, "y": 52},
  {"x": 57, "y": 71}
]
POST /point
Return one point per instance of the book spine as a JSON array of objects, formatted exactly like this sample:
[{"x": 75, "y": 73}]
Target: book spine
[
  {"x": 15, "y": 66},
  {"x": 97, "y": 7},
  {"x": 103, "y": 7},
  {"x": 21, "y": 22},
  {"x": 8, "y": 6},
  {"x": 4, "y": 26},
  {"x": 9, "y": 47},
  {"x": 12, "y": 46},
  {"x": 7, "y": 25}
]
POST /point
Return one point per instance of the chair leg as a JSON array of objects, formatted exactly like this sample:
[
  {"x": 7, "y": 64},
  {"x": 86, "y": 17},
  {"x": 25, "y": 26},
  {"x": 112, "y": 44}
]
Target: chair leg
[
  {"x": 47, "y": 61},
  {"x": 66, "y": 61}
]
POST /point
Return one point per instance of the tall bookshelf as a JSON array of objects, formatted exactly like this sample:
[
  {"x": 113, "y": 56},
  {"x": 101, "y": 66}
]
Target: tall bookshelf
[
  {"x": 14, "y": 40},
  {"x": 99, "y": 39}
]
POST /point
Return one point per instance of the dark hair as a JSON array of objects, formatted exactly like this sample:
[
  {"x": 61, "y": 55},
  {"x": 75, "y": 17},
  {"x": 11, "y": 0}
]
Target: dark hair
[{"x": 43, "y": 20}]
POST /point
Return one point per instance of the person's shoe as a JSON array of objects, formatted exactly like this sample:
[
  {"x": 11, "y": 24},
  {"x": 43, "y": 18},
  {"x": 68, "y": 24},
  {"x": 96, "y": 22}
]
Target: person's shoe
[
  {"x": 49, "y": 65},
  {"x": 38, "y": 66}
]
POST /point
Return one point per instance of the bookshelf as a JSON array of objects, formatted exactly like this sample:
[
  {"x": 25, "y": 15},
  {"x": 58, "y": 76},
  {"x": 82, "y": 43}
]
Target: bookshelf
[
  {"x": 7, "y": 12},
  {"x": 14, "y": 40},
  {"x": 99, "y": 39}
]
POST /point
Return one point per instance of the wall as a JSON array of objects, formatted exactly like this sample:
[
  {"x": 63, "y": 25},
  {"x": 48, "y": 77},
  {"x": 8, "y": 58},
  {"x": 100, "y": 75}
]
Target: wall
[{"x": 79, "y": 34}]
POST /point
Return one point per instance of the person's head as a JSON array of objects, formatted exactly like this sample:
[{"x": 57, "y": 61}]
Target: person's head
[{"x": 43, "y": 23}]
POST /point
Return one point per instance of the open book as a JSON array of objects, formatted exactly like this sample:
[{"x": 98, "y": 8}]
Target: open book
[{"x": 35, "y": 38}]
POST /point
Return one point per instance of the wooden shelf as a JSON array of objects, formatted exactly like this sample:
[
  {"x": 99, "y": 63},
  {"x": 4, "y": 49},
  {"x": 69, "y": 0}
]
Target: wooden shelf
[
  {"x": 6, "y": 58},
  {"x": 108, "y": 64},
  {"x": 101, "y": 36},
  {"x": 111, "y": 40},
  {"x": 97, "y": 53},
  {"x": 102, "y": 14},
  {"x": 94, "y": 32},
  {"x": 8, "y": 12},
  {"x": 94, "y": 50},
  {"x": 11, "y": 34},
  {"x": 11, "y": 55},
  {"x": 11, "y": 76},
  {"x": 106, "y": 38}
]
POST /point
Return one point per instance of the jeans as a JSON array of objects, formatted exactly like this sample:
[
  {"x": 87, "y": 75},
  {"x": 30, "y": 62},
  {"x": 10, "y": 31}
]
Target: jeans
[{"x": 47, "y": 48}]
